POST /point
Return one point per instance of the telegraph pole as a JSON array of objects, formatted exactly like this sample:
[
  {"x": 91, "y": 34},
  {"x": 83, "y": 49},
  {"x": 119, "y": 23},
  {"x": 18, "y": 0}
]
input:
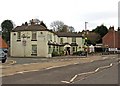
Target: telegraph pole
[
  {"x": 86, "y": 38},
  {"x": 86, "y": 26}
]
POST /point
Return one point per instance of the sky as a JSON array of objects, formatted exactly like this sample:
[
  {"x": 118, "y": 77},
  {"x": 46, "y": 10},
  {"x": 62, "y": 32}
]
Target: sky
[{"x": 72, "y": 12}]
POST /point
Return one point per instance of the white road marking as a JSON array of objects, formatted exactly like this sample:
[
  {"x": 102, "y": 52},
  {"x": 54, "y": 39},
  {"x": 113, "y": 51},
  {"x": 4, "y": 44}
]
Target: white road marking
[
  {"x": 8, "y": 74},
  {"x": 65, "y": 81},
  {"x": 96, "y": 70},
  {"x": 50, "y": 67},
  {"x": 62, "y": 59},
  {"x": 29, "y": 64},
  {"x": 54, "y": 67},
  {"x": 76, "y": 63},
  {"x": 92, "y": 61},
  {"x": 105, "y": 58},
  {"x": 73, "y": 78},
  {"x": 114, "y": 57},
  {"x": 20, "y": 72},
  {"x": 111, "y": 64},
  {"x": 27, "y": 71},
  {"x": 119, "y": 62},
  {"x": 26, "y": 64}
]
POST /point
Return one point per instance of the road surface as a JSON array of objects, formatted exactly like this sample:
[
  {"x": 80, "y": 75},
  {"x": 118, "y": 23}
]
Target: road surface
[{"x": 66, "y": 75}]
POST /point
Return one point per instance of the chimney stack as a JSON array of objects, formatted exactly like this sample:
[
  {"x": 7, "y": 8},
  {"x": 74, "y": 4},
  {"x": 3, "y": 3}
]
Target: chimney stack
[{"x": 111, "y": 28}]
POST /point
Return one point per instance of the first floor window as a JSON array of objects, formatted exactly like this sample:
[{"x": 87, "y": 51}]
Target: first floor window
[
  {"x": 18, "y": 35},
  {"x": 34, "y": 35},
  {"x": 34, "y": 49},
  {"x": 74, "y": 39},
  {"x": 61, "y": 40}
]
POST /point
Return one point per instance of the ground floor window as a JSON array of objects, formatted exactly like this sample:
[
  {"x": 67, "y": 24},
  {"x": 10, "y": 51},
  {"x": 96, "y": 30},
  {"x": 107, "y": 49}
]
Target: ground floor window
[
  {"x": 34, "y": 50},
  {"x": 57, "y": 48},
  {"x": 76, "y": 49},
  {"x": 53, "y": 48},
  {"x": 73, "y": 49}
]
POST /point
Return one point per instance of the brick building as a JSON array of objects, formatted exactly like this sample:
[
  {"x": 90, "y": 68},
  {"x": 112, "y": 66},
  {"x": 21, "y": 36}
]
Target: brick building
[{"x": 112, "y": 38}]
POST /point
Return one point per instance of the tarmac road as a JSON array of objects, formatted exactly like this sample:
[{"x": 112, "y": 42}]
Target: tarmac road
[
  {"x": 106, "y": 76},
  {"x": 66, "y": 73}
]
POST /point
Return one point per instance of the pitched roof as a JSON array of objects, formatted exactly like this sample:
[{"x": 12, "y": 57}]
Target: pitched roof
[
  {"x": 34, "y": 27},
  {"x": 110, "y": 37},
  {"x": 68, "y": 34},
  {"x": 37, "y": 27},
  {"x": 3, "y": 43}
]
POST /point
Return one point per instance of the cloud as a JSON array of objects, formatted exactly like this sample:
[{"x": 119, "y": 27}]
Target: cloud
[{"x": 99, "y": 15}]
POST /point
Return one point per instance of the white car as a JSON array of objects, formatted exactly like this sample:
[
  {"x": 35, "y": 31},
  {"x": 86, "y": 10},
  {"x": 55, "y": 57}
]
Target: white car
[{"x": 3, "y": 55}]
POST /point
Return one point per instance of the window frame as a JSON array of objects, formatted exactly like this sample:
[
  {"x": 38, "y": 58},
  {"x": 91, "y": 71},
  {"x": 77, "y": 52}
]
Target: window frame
[
  {"x": 34, "y": 36},
  {"x": 61, "y": 40},
  {"x": 34, "y": 50},
  {"x": 19, "y": 36},
  {"x": 73, "y": 39}
]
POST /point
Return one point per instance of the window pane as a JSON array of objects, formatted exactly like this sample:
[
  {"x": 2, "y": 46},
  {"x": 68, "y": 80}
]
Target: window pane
[
  {"x": 74, "y": 39},
  {"x": 49, "y": 37},
  {"x": 34, "y": 35},
  {"x": 61, "y": 40},
  {"x": 73, "y": 49},
  {"x": 34, "y": 49},
  {"x": 18, "y": 35}
]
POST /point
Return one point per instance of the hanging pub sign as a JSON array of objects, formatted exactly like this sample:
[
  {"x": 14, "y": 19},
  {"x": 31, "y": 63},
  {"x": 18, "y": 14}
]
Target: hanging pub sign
[{"x": 24, "y": 42}]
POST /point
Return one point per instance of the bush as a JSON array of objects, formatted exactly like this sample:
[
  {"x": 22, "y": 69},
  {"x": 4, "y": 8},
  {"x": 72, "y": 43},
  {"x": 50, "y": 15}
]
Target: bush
[
  {"x": 55, "y": 54},
  {"x": 77, "y": 53},
  {"x": 80, "y": 53},
  {"x": 61, "y": 53}
]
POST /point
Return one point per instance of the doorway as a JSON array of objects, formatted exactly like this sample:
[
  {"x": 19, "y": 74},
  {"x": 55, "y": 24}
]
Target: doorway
[{"x": 68, "y": 50}]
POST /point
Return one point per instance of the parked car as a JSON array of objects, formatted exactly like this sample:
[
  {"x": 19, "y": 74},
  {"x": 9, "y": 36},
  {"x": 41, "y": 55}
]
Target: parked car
[{"x": 3, "y": 55}]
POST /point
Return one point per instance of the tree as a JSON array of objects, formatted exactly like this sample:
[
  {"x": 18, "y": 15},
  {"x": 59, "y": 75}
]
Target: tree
[
  {"x": 101, "y": 30},
  {"x": 93, "y": 37},
  {"x": 71, "y": 29},
  {"x": 34, "y": 21},
  {"x": 57, "y": 25},
  {"x": 64, "y": 29},
  {"x": 7, "y": 26}
]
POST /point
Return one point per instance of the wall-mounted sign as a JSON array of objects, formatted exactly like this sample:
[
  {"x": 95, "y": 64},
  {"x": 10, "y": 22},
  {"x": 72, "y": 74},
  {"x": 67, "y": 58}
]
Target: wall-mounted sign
[{"x": 24, "y": 42}]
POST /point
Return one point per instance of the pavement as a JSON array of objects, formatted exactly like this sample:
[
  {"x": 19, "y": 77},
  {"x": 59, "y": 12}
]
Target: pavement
[{"x": 21, "y": 68}]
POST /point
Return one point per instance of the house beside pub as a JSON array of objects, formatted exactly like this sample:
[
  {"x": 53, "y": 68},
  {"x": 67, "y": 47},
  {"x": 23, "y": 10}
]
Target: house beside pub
[
  {"x": 112, "y": 39},
  {"x": 35, "y": 40}
]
